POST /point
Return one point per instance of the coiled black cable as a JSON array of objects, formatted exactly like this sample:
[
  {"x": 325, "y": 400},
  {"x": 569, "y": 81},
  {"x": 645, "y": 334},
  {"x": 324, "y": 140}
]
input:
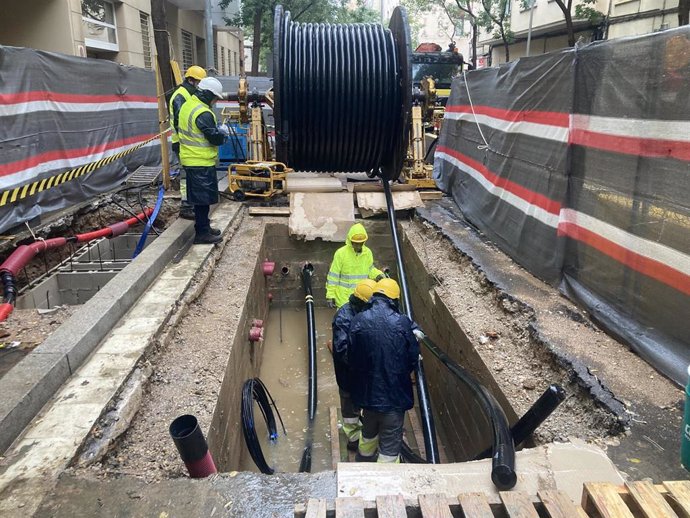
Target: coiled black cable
[
  {"x": 254, "y": 390},
  {"x": 342, "y": 94}
]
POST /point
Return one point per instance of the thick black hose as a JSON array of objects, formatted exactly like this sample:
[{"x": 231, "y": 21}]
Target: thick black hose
[
  {"x": 503, "y": 449},
  {"x": 427, "y": 418},
  {"x": 254, "y": 390},
  {"x": 307, "y": 273},
  {"x": 9, "y": 287}
]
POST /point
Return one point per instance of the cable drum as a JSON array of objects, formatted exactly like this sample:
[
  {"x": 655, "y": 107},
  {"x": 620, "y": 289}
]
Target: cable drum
[{"x": 342, "y": 95}]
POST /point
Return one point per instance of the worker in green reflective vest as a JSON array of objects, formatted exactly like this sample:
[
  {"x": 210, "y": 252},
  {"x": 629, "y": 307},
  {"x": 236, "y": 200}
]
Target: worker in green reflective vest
[
  {"x": 200, "y": 135},
  {"x": 183, "y": 93}
]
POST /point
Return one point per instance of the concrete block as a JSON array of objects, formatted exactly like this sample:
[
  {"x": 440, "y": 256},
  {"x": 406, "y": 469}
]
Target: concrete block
[{"x": 309, "y": 221}]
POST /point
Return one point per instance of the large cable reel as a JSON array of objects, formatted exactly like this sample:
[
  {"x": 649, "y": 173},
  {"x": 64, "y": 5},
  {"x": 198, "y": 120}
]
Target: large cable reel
[{"x": 343, "y": 95}]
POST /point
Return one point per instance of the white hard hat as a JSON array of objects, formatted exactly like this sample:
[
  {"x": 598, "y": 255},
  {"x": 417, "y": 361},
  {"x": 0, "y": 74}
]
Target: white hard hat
[{"x": 213, "y": 85}]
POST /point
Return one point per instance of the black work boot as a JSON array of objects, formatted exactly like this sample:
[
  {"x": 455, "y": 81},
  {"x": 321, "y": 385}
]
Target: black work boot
[
  {"x": 187, "y": 212},
  {"x": 207, "y": 239},
  {"x": 365, "y": 458},
  {"x": 215, "y": 231}
]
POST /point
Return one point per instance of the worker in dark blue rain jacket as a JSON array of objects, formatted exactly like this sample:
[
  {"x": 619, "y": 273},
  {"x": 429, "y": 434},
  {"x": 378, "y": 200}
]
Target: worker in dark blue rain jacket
[
  {"x": 341, "y": 340},
  {"x": 382, "y": 354}
]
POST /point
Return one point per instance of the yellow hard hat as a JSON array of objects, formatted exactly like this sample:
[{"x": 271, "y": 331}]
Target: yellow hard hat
[
  {"x": 389, "y": 288},
  {"x": 358, "y": 238},
  {"x": 195, "y": 72},
  {"x": 365, "y": 290}
]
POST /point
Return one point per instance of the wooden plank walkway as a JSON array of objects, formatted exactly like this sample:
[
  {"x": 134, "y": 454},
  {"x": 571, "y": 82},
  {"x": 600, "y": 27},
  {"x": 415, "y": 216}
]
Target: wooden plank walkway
[{"x": 599, "y": 500}]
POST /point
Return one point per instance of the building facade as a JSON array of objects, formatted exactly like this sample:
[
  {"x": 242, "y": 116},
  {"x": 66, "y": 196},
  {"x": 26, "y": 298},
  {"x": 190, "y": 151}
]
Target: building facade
[{"x": 121, "y": 31}]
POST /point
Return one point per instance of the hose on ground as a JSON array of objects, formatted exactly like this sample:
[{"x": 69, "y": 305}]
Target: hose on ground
[
  {"x": 307, "y": 273},
  {"x": 254, "y": 390}
]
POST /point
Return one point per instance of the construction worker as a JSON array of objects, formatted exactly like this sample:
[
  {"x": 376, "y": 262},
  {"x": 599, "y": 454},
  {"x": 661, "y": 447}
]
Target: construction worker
[
  {"x": 183, "y": 93},
  {"x": 382, "y": 353},
  {"x": 200, "y": 135},
  {"x": 341, "y": 339},
  {"x": 352, "y": 263}
]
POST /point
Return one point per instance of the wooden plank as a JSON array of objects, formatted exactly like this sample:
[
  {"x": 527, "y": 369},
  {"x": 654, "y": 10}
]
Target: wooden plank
[
  {"x": 377, "y": 187},
  {"x": 316, "y": 508},
  {"x": 604, "y": 497},
  {"x": 434, "y": 506},
  {"x": 680, "y": 494},
  {"x": 417, "y": 431},
  {"x": 518, "y": 504},
  {"x": 269, "y": 211},
  {"x": 352, "y": 507},
  {"x": 391, "y": 506},
  {"x": 475, "y": 505},
  {"x": 335, "y": 438},
  {"x": 430, "y": 195},
  {"x": 651, "y": 503},
  {"x": 558, "y": 504}
]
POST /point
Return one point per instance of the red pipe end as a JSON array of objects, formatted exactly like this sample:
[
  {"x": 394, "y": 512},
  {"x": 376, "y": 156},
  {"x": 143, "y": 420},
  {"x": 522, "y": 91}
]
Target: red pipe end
[
  {"x": 201, "y": 468},
  {"x": 270, "y": 296},
  {"x": 256, "y": 334},
  {"x": 5, "y": 310},
  {"x": 257, "y": 323},
  {"x": 267, "y": 267}
]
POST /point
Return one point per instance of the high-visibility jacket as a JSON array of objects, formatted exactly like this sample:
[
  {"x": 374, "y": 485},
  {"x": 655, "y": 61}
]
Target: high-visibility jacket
[
  {"x": 181, "y": 90},
  {"x": 195, "y": 149},
  {"x": 349, "y": 268}
]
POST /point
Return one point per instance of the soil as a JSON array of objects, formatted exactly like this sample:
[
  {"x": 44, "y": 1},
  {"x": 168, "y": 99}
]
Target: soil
[{"x": 188, "y": 371}]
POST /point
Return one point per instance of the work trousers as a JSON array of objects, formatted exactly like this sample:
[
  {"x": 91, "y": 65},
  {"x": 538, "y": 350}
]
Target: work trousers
[
  {"x": 202, "y": 223},
  {"x": 384, "y": 428}
]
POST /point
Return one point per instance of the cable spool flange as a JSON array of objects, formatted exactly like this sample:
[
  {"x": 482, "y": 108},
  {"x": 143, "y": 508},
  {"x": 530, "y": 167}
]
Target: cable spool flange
[{"x": 343, "y": 94}]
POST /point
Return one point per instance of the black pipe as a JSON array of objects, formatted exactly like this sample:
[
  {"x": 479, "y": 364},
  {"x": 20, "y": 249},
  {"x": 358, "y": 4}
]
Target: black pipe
[
  {"x": 9, "y": 287},
  {"x": 542, "y": 408},
  {"x": 428, "y": 427},
  {"x": 254, "y": 390},
  {"x": 307, "y": 274},
  {"x": 191, "y": 444},
  {"x": 503, "y": 456}
]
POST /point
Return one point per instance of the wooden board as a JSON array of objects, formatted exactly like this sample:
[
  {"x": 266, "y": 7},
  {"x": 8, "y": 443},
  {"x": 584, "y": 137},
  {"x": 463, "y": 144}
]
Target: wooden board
[
  {"x": 605, "y": 499},
  {"x": 434, "y": 506},
  {"x": 430, "y": 195},
  {"x": 518, "y": 504},
  {"x": 316, "y": 508},
  {"x": 680, "y": 494},
  {"x": 377, "y": 187},
  {"x": 349, "y": 507},
  {"x": 475, "y": 505},
  {"x": 335, "y": 438},
  {"x": 391, "y": 506},
  {"x": 313, "y": 184},
  {"x": 559, "y": 505},
  {"x": 269, "y": 211},
  {"x": 650, "y": 502}
]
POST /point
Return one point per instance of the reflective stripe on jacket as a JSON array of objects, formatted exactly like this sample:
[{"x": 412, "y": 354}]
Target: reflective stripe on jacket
[
  {"x": 195, "y": 149},
  {"x": 349, "y": 268},
  {"x": 171, "y": 110}
]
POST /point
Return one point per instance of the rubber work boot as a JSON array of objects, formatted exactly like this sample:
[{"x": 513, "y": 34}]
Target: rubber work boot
[
  {"x": 207, "y": 239},
  {"x": 215, "y": 231},
  {"x": 187, "y": 212},
  {"x": 352, "y": 427},
  {"x": 390, "y": 459},
  {"x": 366, "y": 451},
  {"x": 364, "y": 458}
]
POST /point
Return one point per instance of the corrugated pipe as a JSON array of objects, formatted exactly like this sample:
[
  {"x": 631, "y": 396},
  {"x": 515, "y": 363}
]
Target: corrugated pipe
[
  {"x": 191, "y": 444},
  {"x": 23, "y": 254}
]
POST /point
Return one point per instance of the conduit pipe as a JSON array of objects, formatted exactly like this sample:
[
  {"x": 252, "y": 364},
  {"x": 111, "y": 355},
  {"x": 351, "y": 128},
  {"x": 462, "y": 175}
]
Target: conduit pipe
[
  {"x": 307, "y": 274},
  {"x": 23, "y": 254},
  {"x": 191, "y": 444}
]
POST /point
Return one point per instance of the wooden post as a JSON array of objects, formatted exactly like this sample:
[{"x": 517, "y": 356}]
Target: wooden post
[
  {"x": 162, "y": 126},
  {"x": 160, "y": 36}
]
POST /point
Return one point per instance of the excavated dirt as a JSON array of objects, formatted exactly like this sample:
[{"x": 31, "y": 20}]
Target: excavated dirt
[{"x": 187, "y": 368}]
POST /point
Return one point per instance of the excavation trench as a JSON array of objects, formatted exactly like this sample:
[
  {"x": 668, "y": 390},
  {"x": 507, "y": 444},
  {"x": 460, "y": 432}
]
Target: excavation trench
[{"x": 209, "y": 356}]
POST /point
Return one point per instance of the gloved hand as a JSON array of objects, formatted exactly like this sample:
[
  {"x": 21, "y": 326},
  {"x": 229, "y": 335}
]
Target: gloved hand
[
  {"x": 331, "y": 303},
  {"x": 419, "y": 334},
  {"x": 378, "y": 278},
  {"x": 223, "y": 128}
]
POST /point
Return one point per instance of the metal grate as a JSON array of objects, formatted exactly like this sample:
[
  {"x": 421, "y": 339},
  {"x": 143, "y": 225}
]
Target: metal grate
[
  {"x": 222, "y": 60},
  {"x": 145, "y": 39},
  {"x": 187, "y": 50},
  {"x": 143, "y": 175}
]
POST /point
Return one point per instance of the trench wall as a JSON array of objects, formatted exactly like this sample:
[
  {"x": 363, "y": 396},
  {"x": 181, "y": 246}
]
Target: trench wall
[
  {"x": 225, "y": 435},
  {"x": 466, "y": 431}
]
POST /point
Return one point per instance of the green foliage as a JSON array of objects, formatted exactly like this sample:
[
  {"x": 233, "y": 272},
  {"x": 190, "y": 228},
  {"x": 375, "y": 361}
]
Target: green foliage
[{"x": 583, "y": 11}]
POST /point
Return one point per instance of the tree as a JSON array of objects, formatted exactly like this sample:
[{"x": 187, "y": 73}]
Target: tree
[
  {"x": 257, "y": 15},
  {"x": 583, "y": 11},
  {"x": 495, "y": 18}
]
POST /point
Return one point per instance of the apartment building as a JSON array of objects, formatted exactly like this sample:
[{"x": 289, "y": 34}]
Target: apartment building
[
  {"x": 619, "y": 18},
  {"x": 121, "y": 31}
]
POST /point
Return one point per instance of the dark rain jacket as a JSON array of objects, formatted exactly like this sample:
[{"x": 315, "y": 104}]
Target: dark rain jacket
[
  {"x": 341, "y": 341},
  {"x": 382, "y": 353}
]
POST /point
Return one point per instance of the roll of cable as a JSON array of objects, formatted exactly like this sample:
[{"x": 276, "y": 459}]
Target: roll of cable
[{"x": 254, "y": 390}]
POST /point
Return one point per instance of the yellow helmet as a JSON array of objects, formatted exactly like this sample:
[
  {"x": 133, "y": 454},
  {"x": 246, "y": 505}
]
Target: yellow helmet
[
  {"x": 389, "y": 288},
  {"x": 359, "y": 238},
  {"x": 365, "y": 290},
  {"x": 195, "y": 72}
]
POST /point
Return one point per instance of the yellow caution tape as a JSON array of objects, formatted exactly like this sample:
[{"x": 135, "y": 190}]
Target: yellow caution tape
[{"x": 19, "y": 193}]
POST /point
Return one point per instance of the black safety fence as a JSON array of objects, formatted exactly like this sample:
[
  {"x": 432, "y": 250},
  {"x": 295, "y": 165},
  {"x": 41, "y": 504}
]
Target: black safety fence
[{"x": 577, "y": 164}]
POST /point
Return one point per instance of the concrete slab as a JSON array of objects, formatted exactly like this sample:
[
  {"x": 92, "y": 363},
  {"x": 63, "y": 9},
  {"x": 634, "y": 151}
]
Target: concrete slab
[
  {"x": 309, "y": 220},
  {"x": 556, "y": 466},
  {"x": 50, "y": 442},
  {"x": 371, "y": 203}
]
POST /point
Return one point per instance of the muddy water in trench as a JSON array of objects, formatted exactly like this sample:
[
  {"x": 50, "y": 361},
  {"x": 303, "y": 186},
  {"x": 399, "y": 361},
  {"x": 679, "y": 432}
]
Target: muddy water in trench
[{"x": 284, "y": 371}]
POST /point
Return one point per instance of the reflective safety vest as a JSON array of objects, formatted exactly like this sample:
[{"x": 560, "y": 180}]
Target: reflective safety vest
[
  {"x": 195, "y": 150},
  {"x": 181, "y": 90}
]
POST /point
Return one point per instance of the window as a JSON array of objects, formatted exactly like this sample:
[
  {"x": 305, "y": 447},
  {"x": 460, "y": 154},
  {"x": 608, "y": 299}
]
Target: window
[
  {"x": 187, "y": 50},
  {"x": 98, "y": 22},
  {"x": 145, "y": 39},
  {"x": 222, "y": 61}
]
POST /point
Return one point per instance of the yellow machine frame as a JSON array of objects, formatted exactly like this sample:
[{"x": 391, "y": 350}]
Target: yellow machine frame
[
  {"x": 415, "y": 171},
  {"x": 274, "y": 178}
]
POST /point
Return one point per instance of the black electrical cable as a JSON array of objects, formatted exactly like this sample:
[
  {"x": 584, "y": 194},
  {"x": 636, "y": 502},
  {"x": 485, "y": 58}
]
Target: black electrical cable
[
  {"x": 254, "y": 390},
  {"x": 307, "y": 273},
  {"x": 342, "y": 94}
]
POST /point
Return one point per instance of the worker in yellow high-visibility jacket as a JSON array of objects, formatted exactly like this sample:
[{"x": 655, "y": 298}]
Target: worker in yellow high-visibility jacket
[
  {"x": 184, "y": 92},
  {"x": 352, "y": 263}
]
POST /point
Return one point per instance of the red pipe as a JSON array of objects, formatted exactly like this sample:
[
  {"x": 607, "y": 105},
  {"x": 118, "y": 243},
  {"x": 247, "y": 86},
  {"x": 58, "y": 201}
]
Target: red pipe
[{"x": 23, "y": 254}]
